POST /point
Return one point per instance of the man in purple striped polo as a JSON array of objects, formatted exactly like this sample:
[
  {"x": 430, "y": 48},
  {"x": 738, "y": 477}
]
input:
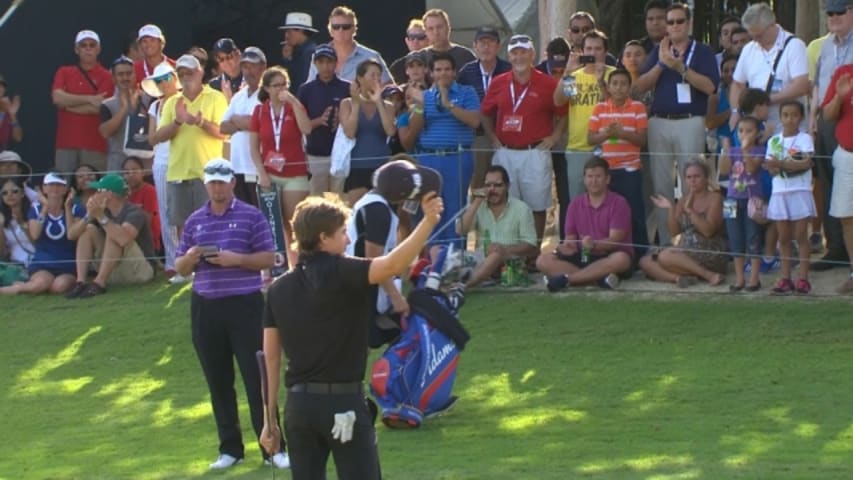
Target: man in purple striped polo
[{"x": 227, "y": 243}]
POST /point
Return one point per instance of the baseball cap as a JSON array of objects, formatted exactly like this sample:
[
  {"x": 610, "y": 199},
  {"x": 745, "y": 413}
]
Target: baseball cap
[
  {"x": 327, "y": 51},
  {"x": 557, "y": 60},
  {"x": 52, "y": 178},
  {"x": 416, "y": 56},
  {"x": 149, "y": 84},
  {"x": 86, "y": 35},
  {"x": 486, "y": 31},
  {"x": 838, "y": 6},
  {"x": 391, "y": 90},
  {"x": 519, "y": 41},
  {"x": 111, "y": 183},
  {"x": 188, "y": 61},
  {"x": 402, "y": 180},
  {"x": 224, "y": 45},
  {"x": 253, "y": 55},
  {"x": 218, "y": 170},
  {"x": 151, "y": 30},
  {"x": 8, "y": 156}
]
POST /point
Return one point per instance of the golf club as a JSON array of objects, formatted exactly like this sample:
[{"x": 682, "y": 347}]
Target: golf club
[
  {"x": 262, "y": 367},
  {"x": 14, "y": 6}
]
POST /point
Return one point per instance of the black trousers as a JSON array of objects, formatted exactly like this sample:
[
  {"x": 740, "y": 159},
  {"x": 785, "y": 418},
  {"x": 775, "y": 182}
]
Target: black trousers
[
  {"x": 245, "y": 191},
  {"x": 308, "y": 420},
  {"x": 224, "y": 329},
  {"x": 561, "y": 181}
]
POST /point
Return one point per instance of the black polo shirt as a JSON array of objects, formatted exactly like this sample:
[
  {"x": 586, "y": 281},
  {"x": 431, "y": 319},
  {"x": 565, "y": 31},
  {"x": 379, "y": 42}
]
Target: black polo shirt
[
  {"x": 316, "y": 96},
  {"x": 236, "y": 82},
  {"x": 321, "y": 311}
]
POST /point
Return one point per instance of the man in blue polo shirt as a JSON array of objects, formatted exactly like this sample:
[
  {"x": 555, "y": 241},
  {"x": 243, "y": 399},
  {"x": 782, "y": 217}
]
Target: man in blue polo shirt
[
  {"x": 446, "y": 124},
  {"x": 478, "y": 74},
  {"x": 227, "y": 243},
  {"x": 683, "y": 73},
  {"x": 321, "y": 98}
]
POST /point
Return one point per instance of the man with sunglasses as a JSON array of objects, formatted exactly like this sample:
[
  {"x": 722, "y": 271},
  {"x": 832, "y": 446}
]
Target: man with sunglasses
[
  {"x": 343, "y": 26},
  {"x": 683, "y": 73},
  {"x": 298, "y": 36},
  {"x": 116, "y": 110},
  {"x": 151, "y": 43},
  {"x": 581, "y": 23},
  {"x": 437, "y": 26},
  {"x": 78, "y": 91},
  {"x": 227, "y": 243},
  {"x": 230, "y": 78},
  {"x": 416, "y": 39}
]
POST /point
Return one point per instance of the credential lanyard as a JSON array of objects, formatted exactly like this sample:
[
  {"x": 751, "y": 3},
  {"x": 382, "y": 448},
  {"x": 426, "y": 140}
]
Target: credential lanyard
[
  {"x": 276, "y": 127},
  {"x": 517, "y": 102},
  {"x": 487, "y": 78}
]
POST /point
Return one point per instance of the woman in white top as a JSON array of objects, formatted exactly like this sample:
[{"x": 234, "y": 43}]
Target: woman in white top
[
  {"x": 162, "y": 84},
  {"x": 15, "y": 243}
]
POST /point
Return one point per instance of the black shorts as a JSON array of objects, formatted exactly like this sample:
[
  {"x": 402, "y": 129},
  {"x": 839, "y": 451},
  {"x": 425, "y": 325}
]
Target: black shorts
[{"x": 576, "y": 259}]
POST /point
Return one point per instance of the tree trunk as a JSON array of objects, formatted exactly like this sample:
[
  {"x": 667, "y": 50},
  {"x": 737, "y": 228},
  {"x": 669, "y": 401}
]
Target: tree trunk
[
  {"x": 614, "y": 17},
  {"x": 553, "y": 21}
]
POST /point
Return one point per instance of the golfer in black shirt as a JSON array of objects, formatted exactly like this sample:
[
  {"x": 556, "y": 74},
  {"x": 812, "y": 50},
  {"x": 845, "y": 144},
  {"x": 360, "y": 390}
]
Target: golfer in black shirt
[{"x": 318, "y": 313}]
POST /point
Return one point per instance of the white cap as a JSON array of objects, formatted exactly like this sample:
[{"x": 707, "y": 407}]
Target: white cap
[
  {"x": 52, "y": 178},
  {"x": 149, "y": 84},
  {"x": 298, "y": 20},
  {"x": 151, "y": 30},
  {"x": 188, "y": 61},
  {"x": 218, "y": 170},
  {"x": 87, "y": 35},
  {"x": 519, "y": 41}
]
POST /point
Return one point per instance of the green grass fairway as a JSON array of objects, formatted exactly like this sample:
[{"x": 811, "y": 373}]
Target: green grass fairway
[{"x": 592, "y": 386}]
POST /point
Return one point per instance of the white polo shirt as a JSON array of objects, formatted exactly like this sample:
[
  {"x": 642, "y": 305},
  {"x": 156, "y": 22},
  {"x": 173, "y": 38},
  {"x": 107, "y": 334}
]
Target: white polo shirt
[
  {"x": 241, "y": 158},
  {"x": 756, "y": 64}
]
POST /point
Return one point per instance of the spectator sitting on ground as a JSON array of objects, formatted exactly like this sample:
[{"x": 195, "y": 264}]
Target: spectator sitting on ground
[
  {"x": 10, "y": 129},
  {"x": 698, "y": 219},
  {"x": 55, "y": 223},
  {"x": 506, "y": 222},
  {"x": 11, "y": 165},
  {"x": 144, "y": 195},
  {"x": 83, "y": 176},
  {"x": 15, "y": 243},
  {"x": 117, "y": 239},
  {"x": 598, "y": 246}
]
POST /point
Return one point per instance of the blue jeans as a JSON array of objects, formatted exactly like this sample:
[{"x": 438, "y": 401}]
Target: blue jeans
[
  {"x": 456, "y": 170},
  {"x": 745, "y": 236},
  {"x": 630, "y": 185}
]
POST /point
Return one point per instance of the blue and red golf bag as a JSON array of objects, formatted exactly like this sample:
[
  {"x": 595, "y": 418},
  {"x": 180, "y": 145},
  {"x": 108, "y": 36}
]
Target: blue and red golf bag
[{"x": 414, "y": 378}]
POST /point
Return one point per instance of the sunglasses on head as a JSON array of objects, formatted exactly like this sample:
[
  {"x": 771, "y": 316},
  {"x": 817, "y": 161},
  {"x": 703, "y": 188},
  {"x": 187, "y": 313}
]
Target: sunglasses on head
[
  {"x": 122, "y": 60},
  {"x": 222, "y": 170},
  {"x": 679, "y": 21},
  {"x": 13, "y": 191},
  {"x": 519, "y": 39},
  {"x": 580, "y": 29},
  {"x": 163, "y": 78},
  {"x": 342, "y": 26},
  {"x": 416, "y": 36}
]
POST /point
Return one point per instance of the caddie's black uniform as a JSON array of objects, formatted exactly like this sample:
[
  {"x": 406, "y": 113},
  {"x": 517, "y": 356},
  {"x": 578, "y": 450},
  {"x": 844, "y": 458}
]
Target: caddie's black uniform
[{"x": 321, "y": 310}]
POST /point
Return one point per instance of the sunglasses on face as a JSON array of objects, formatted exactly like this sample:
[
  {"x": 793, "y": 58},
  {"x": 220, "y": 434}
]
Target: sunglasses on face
[
  {"x": 342, "y": 26},
  {"x": 163, "y": 78},
  {"x": 580, "y": 29},
  {"x": 416, "y": 36},
  {"x": 519, "y": 39},
  {"x": 678, "y": 21},
  {"x": 218, "y": 171},
  {"x": 13, "y": 191}
]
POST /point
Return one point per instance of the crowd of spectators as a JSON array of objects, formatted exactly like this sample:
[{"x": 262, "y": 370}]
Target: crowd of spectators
[{"x": 670, "y": 157}]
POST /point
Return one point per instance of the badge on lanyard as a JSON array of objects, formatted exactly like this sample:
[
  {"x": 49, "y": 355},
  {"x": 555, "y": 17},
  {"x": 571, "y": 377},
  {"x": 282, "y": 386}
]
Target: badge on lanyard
[
  {"x": 275, "y": 160},
  {"x": 513, "y": 123},
  {"x": 682, "y": 88}
]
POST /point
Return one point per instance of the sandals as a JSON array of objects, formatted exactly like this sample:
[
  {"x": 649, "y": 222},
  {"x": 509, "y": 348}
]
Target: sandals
[{"x": 92, "y": 290}]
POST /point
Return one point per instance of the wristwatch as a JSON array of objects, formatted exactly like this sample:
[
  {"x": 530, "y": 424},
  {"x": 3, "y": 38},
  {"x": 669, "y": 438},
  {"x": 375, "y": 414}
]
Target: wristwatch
[{"x": 104, "y": 221}]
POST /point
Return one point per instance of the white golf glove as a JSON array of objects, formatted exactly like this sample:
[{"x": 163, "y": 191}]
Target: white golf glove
[{"x": 343, "y": 426}]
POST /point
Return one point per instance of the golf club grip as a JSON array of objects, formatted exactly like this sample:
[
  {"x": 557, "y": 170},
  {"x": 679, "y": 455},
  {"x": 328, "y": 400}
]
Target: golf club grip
[{"x": 262, "y": 368}]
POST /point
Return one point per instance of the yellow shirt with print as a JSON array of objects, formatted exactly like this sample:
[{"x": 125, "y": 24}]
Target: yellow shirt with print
[
  {"x": 581, "y": 105},
  {"x": 192, "y": 147}
]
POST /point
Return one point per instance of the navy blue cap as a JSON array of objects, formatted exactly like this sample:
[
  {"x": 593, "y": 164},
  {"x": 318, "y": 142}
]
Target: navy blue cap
[{"x": 325, "y": 50}]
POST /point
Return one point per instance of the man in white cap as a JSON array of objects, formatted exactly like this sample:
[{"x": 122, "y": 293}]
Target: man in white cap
[
  {"x": 227, "y": 243},
  {"x": 298, "y": 32},
  {"x": 151, "y": 44},
  {"x": 191, "y": 122},
  {"x": 78, "y": 91},
  {"x": 236, "y": 122}
]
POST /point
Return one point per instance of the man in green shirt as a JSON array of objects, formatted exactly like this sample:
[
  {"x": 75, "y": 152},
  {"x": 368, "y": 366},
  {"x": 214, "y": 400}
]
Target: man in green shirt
[{"x": 504, "y": 225}]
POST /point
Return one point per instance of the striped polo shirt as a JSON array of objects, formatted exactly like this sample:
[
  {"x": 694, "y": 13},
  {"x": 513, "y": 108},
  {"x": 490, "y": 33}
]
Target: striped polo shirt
[
  {"x": 441, "y": 129},
  {"x": 620, "y": 153},
  {"x": 242, "y": 228}
]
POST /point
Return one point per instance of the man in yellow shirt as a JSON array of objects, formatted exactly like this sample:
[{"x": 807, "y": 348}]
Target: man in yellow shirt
[
  {"x": 589, "y": 90},
  {"x": 191, "y": 122}
]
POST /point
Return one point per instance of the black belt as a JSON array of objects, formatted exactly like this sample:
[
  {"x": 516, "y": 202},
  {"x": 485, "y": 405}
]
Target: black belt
[
  {"x": 327, "y": 388},
  {"x": 522, "y": 147},
  {"x": 674, "y": 116},
  {"x": 443, "y": 151}
]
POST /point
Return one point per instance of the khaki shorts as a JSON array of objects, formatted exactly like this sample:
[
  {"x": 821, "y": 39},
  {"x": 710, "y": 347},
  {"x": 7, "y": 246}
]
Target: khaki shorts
[
  {"x": 182, "y": 199},
  {"x": 290, "y": 184},
  {"x": 133, "y": 268},
  {"x": 66, "y": 160}
]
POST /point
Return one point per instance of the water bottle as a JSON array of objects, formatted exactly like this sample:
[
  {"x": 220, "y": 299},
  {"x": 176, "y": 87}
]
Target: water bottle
[
  {"x": 585, "y": 255},
  {"x": 569, "y": 89}
]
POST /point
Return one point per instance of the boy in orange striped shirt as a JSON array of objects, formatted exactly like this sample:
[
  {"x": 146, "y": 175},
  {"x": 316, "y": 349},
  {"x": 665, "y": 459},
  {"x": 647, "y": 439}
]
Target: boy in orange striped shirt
[{"x": 618, "y": 126}]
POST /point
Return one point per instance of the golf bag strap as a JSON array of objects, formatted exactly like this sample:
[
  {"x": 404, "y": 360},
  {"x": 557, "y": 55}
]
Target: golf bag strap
[{"x": 425, "y": 304}]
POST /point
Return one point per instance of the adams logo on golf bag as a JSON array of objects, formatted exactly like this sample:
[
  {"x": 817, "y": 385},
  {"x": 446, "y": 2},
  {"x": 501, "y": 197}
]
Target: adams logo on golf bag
[{"x": 414, "y": 378}]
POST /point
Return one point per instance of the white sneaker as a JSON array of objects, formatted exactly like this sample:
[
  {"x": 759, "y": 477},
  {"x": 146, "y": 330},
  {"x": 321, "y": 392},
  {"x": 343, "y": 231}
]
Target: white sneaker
[
  {"x": 225, "y": 461},
  {"x": 178, "y": 279},
  {"x": 280, "y": 460}
]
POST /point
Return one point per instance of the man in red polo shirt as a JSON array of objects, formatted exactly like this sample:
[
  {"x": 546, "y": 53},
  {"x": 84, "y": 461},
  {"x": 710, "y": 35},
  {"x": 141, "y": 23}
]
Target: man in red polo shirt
[
  {"x": 838, "y": 107},
  {"x": 518, "y": 117},
  {"x": 151, "y": 44},
  {"x": 78, "y": 91}
]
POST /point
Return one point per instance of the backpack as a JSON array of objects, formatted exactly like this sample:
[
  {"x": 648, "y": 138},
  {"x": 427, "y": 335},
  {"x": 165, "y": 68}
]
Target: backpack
[{"x": 414, "y": 378}]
